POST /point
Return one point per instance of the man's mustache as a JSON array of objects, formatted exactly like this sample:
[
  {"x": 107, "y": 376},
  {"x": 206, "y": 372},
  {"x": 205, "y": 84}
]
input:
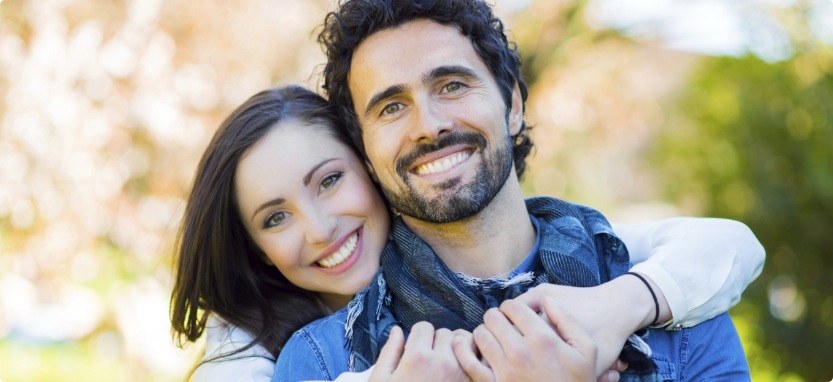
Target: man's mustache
[{"x": 457, "y": 138}]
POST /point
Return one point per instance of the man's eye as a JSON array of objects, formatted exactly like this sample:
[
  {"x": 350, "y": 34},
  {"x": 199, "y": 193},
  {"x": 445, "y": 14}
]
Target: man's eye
[
  {"x": 275, "y": 219},
  {"x": 392, "y": 108},
  {"x": 452, "y": 87},
  {"x": 330, "y": 181}
]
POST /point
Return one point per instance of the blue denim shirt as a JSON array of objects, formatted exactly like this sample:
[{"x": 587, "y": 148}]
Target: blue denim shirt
[{"x": 710, "y": 351}]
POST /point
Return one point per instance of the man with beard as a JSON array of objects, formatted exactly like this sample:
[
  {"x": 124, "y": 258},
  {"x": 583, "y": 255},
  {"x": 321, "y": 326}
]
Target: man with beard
[{"x": 432, "y": 94}]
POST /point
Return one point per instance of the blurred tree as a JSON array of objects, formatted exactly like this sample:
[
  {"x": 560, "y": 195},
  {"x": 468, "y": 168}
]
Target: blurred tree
[
  {"x": 753, "y": 141},
  {"x": 736, "y": 137}
]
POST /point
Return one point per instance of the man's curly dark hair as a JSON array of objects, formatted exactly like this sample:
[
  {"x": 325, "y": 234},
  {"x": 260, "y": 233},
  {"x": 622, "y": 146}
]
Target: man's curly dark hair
[{"x": 355, "y": 20}]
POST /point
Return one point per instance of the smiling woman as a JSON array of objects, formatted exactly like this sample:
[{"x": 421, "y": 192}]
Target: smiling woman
[
  {"x": 307, "y": 203},
  {"x": 282, "y": 226}
]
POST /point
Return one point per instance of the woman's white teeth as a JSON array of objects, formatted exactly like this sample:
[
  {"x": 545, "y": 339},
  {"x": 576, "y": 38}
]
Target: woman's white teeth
[
  {"x": 442, "y": 164},
  {"x": 342, "y": 254}
]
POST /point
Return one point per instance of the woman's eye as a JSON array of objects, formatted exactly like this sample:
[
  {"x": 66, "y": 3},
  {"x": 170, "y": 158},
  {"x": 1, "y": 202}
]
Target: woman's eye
[
  {"x": 452, "y": 87},
  {"x": 392, "y": 108},
  {"x": 275, "y": 219},
  {"x": 330, "y": 181}
]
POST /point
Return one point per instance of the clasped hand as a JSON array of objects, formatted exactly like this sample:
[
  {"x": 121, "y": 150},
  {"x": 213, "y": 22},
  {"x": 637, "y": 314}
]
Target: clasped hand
[{"x": 519, "y": 341}]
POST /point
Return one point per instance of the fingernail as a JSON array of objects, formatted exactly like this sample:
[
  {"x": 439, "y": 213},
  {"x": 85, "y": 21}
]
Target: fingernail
[{"x": 612, "y": 376}]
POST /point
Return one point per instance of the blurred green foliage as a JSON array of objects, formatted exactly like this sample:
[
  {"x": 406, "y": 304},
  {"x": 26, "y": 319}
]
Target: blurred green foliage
[
  {"x": 739, "y": 138},
  {"x": 753, "y": 141}
]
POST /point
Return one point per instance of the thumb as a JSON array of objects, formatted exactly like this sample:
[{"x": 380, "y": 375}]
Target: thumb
[
  {"x": 389, "y": 356},
  {"x": 609, "y": 376}
]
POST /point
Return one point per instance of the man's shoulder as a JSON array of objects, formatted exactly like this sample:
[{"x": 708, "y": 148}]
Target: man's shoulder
[
  {"x": 568, "y": 216},
  {"x": 329, "y": 323},
  {"x": 709, "y": 350},
  {"x": 315, "y": 352},
  {"x": 549, "y": 204}
]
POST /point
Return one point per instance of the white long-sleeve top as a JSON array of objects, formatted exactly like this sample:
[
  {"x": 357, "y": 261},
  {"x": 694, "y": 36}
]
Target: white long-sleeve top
[{"x": 701, "y": 266}]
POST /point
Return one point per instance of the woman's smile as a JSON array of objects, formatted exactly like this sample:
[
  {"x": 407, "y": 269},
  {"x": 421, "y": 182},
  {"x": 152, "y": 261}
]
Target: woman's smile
[{"x": 344, "y": 256}]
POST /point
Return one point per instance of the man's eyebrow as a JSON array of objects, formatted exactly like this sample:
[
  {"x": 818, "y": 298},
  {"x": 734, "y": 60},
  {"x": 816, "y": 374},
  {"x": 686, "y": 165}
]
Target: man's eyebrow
[
  {"x": 383, "y": 95},
  {"x": 449, "y": 70},
  {"x": 433, "y": 74}
]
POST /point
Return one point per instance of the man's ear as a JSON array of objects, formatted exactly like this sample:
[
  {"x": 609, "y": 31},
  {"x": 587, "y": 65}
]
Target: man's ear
[{"x": 516, "y": 111}]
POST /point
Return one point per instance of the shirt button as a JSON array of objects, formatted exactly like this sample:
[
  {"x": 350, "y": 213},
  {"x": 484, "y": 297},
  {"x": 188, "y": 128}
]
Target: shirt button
[{"x": 678, "y": 327}]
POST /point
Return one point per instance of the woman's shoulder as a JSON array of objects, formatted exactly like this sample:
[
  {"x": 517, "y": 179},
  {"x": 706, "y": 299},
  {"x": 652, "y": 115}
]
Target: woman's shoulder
[
  {"x": 222, "y": 337},
  {"x": 245, "y": 369},
  {"x": 221, "y": 363}
]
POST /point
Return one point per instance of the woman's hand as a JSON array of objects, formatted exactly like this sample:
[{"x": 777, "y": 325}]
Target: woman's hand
[
  {"x": 427, "y": 355},
  {"x": 609, "y": 312},
  {"x": 516, "y": 344}
]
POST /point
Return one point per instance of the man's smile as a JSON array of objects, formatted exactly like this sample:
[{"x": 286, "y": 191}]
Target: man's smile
[
  {"x": 444, "y": 154},
  {"x": 443, "y": 163}
]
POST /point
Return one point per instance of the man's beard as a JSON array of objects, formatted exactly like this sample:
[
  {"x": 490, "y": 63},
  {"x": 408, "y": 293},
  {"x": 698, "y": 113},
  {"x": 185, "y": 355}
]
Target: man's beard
[{"x": 453, "y": 201}]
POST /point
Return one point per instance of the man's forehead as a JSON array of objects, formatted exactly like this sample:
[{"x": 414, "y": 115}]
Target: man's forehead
[{"x": 406, "y": 53}]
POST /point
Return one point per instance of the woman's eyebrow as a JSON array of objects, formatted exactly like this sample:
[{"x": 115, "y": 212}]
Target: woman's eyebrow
[
  {"x": 273, "y": 202},
  {"x": 307, "y": 178},
  {"x": 315, "y": 168}
]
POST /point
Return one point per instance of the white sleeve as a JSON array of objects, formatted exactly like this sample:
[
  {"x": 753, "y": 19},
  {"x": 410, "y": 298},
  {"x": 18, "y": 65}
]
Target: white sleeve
[
  {"x": 255, "y": 364},
  {"x": 701, "y": 265},
  {"x": 352, "y": 377}
]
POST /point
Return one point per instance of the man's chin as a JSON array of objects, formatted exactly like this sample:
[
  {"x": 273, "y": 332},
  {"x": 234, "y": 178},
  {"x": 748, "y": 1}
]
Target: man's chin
[{"x": 447, "y": 208}]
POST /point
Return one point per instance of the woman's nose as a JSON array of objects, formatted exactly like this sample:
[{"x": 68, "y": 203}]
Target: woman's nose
[{"x": 321, "y": 227}]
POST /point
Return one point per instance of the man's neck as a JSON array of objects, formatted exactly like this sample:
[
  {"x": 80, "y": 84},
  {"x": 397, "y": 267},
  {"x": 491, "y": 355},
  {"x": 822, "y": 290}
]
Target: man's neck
[{"x": 489, "y": 244}]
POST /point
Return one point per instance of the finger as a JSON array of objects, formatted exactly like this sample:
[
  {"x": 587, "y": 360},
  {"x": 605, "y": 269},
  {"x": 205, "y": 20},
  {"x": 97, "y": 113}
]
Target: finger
[
  {"x": 527, "y": 322},
  {"x": 489, "y": 346},
  {"x": 502, "y": 329},
  {"x": 390, "y": 355},
  {"x": 467, "y": 356},
  {"x": 609, "y": 376},
  {"x": 442, "y": 342},
  {"x": 464, "y": 338},
  {"x": 420, "y": 338},
  {"x": 567, "y": 327},
  {"x": 531, "y": 298},
  {"x": 619, "y": 365}
]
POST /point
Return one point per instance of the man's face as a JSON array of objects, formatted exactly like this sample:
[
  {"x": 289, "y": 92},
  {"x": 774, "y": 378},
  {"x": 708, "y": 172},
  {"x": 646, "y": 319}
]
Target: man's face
[{"x": 434, "y": 124}]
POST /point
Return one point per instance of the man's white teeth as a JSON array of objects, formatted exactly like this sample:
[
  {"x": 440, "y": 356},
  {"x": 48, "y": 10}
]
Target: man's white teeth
[
  {"x": 442, "y": 164},
  {"x": 342, "y": 254}
]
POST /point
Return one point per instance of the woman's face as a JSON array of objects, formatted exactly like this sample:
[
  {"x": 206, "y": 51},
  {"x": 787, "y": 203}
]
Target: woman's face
[{"x": 308, "y": 203}]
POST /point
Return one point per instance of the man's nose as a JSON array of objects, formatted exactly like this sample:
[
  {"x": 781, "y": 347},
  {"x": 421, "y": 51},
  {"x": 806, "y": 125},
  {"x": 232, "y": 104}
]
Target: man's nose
[{"x": 430, "y": 122}]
